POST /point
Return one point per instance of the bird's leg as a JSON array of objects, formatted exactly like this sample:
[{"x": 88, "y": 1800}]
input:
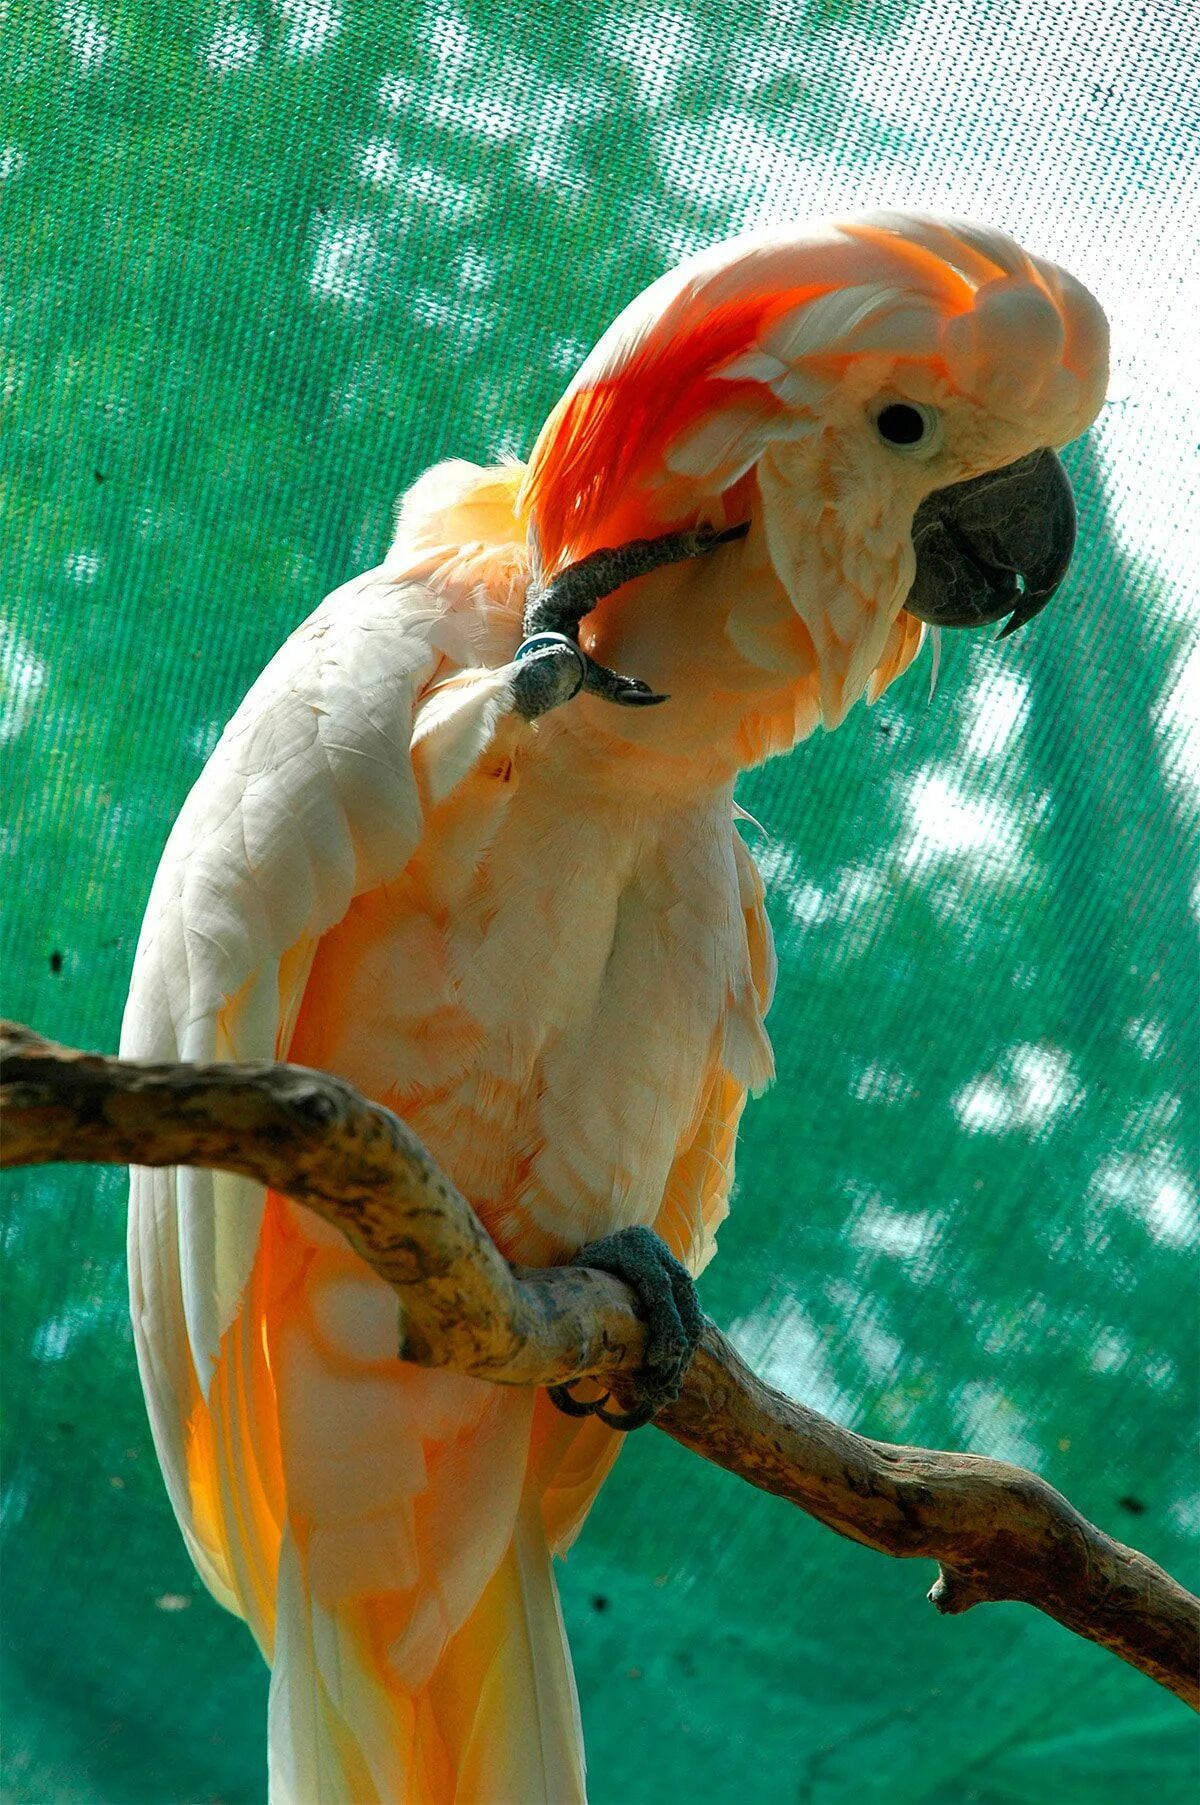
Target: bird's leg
[
  {"x": 556, "y": 666},
  {"x": 666, "y": 1295}
]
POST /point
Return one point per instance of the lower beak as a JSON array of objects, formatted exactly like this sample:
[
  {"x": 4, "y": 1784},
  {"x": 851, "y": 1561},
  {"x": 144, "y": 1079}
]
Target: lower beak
[{"x": 995, "y": 545}]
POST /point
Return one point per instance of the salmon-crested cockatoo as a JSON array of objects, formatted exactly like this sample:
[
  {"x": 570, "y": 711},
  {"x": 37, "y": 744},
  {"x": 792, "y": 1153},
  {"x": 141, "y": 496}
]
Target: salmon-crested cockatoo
[{"x": 447, "y": 852}]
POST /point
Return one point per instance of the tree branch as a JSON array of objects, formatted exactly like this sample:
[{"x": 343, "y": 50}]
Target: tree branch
[{"x": 996, "y": 1531}]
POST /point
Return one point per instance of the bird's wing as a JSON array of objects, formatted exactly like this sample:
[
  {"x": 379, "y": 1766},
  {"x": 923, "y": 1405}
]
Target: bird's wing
[{"x": 309, "y": 799}]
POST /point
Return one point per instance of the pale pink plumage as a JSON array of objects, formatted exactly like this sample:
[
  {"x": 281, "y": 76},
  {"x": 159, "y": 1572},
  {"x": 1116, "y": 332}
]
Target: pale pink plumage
[{"x": 544, "y": 945}]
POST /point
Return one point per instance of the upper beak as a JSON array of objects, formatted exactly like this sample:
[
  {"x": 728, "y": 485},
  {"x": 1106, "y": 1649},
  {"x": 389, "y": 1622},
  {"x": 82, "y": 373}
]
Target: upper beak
[{"x": 995, "y": 545}]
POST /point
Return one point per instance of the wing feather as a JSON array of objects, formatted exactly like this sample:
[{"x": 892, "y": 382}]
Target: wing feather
[{"x": 309, "y": 799}]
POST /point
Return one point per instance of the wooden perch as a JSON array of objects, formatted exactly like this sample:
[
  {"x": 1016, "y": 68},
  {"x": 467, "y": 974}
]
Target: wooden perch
[{"x": 996, "y": 1531}]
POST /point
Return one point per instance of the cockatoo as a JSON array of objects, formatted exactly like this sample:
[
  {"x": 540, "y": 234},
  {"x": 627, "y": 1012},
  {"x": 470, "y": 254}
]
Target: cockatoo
[{"x": 444, "y": 850}]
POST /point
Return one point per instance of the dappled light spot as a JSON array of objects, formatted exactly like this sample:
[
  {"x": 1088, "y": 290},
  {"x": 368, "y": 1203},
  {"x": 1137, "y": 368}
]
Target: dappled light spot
[
  {"x": 787, "y": 1350},
  {"x": 398, "y": 91},
  {"x": 1111, "y": 1351},
  {"x": 859, "y": 902},
  {"x": 236, "y": 43},
  {"x": 991, "y": 1423},
  {"x": 475, "y": 270},
  {"x": 657, "y": 46},
  {"x": 345, "y": 258},
  {"x": 996, "y": 709},
  {"x": 880, "y": 1352},
  {"x": 202, "y": 739},
  {"x": 1178, "y": 719},
  {"x": 85, "y": 33},
  {"x": 566, "y": 354},
  {"x": 310, "y": 25},
  {"x": 1146, "y": 1036},
  {"x": 1185, "y": 1514},
  {"x": 1154, "y": 1190},
  {"x": 83, "y": 566},
  {"x": 53, "y": 1337},
  {"x": 1029, "y": 1089},
  {"x": 808, "y": 904},
  {"x": 381, "y": 162},
  {"x": 14, "y": 1500},
  {"x": 483, "y": 115},
  {"x": 949, "y": 824},
  {"x": 449, "y": 39},
  {"x": 1161, "y": 1373},
  {"x": 440, "y": 192},
  {"x": 22, "y": 676},
  {"x": 877, "y": 1083},
  {"x": 461, "y": 325},
  {"x": 910, "y": 1236}
]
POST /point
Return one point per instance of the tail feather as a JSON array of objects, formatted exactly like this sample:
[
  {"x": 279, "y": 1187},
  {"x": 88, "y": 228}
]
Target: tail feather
[
  {"x": 333, "y": 1735},
  {"x": 418, "y": 1648},
  {"x": 504, "y": 1695},
  {"x": 497, "y": 1722}
]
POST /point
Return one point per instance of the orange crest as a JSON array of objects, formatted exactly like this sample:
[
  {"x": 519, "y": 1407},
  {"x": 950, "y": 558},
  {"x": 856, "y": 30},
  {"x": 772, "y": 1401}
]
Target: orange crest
[{"x": 599, "y": 473}]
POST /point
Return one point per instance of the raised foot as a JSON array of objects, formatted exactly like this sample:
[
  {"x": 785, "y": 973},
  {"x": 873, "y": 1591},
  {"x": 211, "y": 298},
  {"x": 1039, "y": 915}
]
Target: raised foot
[
  {"x": 666, "y": 1295},
  {"x": 555, "y": 666}
]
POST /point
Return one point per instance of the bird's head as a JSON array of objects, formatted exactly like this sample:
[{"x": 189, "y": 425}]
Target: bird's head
[{"x": 851, "y": 391}]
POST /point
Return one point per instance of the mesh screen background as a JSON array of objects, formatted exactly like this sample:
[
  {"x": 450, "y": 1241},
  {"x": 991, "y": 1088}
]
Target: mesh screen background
[{"x": 264, "y": 262}]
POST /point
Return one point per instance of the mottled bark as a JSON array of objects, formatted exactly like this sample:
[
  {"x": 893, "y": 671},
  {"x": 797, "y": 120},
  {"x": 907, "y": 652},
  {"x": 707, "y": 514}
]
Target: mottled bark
[{"x": 995, "y": 1530}]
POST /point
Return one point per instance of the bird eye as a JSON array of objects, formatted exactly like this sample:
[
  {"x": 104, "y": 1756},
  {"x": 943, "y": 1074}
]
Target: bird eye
[{"x": 907, "y": 427}]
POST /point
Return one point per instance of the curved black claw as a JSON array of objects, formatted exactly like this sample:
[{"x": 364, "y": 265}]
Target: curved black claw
[
  {"x": 666, "y": 1295},
  {"x": 555, "y": 610},
  {"x": 628, "y": 692}
]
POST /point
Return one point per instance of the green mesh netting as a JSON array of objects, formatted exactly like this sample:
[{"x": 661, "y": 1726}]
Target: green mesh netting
[{"x": 262, "y": 262}]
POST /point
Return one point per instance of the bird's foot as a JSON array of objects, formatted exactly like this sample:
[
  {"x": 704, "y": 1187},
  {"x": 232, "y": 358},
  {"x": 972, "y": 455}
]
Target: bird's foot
[
  {"x": 555, "y": 666},
  {"x": 666, "y": 1295}
]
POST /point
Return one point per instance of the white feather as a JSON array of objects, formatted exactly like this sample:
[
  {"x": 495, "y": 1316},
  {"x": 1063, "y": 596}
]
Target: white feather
[
  {"x": 935, "y": 660},
  {"x": 456, "y": 724},
  {"x": 308, "y": 798},
  {"x": 823, "y": 324},
  {"x": 752, "y": 366}
]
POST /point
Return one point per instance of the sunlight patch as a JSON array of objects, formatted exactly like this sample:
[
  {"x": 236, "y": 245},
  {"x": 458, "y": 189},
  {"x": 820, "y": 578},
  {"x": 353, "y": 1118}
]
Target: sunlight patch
[
  {"x": 881, "y": 1084},
  {"x": 22, "y": 676},
  {"x": 1146, "y": 1036},
  {"x": 380, "y": 162},
  {"x": 85, "y": 33},
  {"x": 398, "y": 91},
  {"x": 996, "y": 708},
  {"x": 656, "y": 46},
  {"x": 449, "y": 40},
  {"x": 466, "y": 326},
  {"x": 788, "y": 1351},
  {"x": 345, "y": 257},
  {"x": 1153, "y": 1190},
  {"x": 904, "y": 1235},
  {"x": 947, "y": 825},
  {"x": 53, "y": 1338},
  {"x": 235, "y": 44},
  {"x": 311, "y": 24},
  {"x": 990, "y": 1423},
  {"x": 1030, "y": 1088},
  {"x": 1178, "y": 718},
  {"x": 82, "y": 566}
]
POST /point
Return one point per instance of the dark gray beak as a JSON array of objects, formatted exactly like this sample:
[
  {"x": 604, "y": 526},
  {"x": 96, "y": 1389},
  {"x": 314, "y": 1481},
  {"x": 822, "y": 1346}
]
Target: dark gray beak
[{"x": 998, "y": 544}]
